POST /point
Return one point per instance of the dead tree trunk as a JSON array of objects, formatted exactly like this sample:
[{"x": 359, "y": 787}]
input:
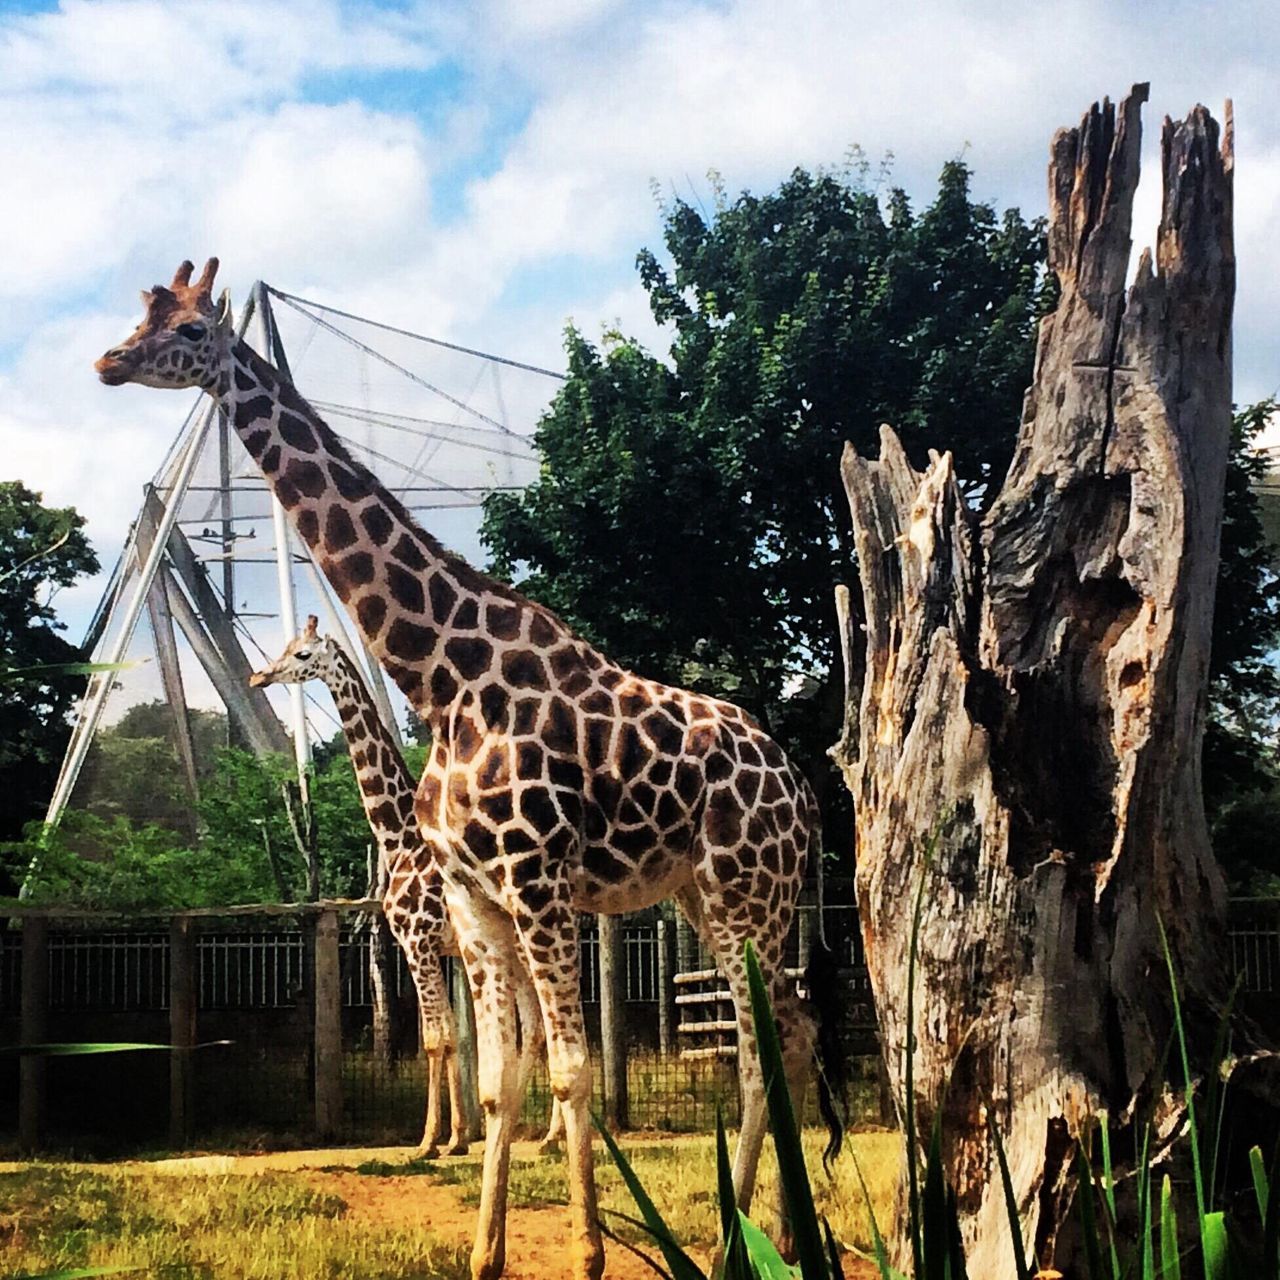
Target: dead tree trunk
[{"x": 1034, "y": 695}]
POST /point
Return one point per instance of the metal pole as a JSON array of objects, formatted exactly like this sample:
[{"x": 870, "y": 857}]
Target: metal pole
[
  {"x": 284, "y": 574},
  {"x": 224, "y": 501}
]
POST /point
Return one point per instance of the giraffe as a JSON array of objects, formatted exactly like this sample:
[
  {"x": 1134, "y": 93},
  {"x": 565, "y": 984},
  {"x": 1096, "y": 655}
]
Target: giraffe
[
  {"x": 557, "y": 782},
  {"x": 414, "y": 897}
]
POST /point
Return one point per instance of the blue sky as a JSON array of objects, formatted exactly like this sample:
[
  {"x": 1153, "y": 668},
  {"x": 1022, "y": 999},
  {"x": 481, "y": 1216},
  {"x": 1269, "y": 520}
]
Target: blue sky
[{"x": 482, "y": 171}]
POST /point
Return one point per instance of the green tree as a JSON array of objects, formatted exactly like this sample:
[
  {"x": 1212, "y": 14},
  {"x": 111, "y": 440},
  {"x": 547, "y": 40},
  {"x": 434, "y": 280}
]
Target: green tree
[
  {"x": 1241, "y": 777},
  {"x": 133, "y": 770},
  {"x": 42, "y": 550},
  {"x": 690, "y": 518}
]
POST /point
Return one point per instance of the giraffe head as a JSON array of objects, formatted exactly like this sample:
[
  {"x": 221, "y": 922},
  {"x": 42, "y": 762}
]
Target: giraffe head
[
  {"x": 310, "y": 657},
  {"x": 182, "y": 340}
]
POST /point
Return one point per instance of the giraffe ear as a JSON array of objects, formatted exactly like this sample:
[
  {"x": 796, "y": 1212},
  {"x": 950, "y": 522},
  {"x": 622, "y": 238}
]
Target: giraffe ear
[{"x": 224, "y": 317}]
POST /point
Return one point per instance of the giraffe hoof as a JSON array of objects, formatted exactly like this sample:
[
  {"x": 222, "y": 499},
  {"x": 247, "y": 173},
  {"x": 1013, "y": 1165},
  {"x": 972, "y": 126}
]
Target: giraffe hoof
[
  {"x": 430, "y": 1152},
  {"x": 550, "y": 1147},
  {"x": 459, "y": 1149}
]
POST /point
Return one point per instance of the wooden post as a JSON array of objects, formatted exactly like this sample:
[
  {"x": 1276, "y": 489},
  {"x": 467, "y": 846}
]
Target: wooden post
[
  {"x": 465, "y": 1013},
  {"x": 1033, "y": 703},
  {"x": 34, "y": 1030},
  {"x": 666, "y": 987},
  {"x": 328, "y": 1024},
  {"x": 613, "y": 1020},
  {"x": 182, "y": 1027}
]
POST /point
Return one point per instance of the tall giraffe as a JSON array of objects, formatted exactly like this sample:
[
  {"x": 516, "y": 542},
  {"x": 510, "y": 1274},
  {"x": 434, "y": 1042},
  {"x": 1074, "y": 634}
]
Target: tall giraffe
[
  {"x": 413, "y": 901},
  {"x": 557, "y": 782}
]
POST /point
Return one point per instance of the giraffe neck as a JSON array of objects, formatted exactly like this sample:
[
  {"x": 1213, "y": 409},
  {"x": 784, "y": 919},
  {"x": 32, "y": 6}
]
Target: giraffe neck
[
  {"x": 425, "y": 614},
  {"x": 384, "y": 778}
]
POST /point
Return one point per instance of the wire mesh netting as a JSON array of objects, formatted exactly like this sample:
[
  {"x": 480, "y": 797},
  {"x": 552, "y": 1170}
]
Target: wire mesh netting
[{"x": 441, "y": 425}]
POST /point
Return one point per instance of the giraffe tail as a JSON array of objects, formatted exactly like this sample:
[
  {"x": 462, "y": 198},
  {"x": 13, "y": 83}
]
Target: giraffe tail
[{"x": 824, "y": 983}]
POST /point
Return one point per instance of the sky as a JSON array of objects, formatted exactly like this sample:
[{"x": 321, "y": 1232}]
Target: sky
[{"x": 485, "y": 172}]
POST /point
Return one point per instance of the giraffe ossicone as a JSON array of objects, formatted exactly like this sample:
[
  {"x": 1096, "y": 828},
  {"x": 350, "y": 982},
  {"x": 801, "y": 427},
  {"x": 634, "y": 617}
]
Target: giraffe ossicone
[
  {"x": 557, "y": 782},
  {"x": 413, "y": 897}
]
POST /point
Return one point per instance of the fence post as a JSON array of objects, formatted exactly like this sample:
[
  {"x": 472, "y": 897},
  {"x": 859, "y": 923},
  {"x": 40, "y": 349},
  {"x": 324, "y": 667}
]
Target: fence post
[
  {"x": 666, "y": 986},
  {"x": 34, "y": 1028},
  {"x": 613, "y": 1033},
  {"x": 804, "y": 933},
  {"x": 686, "y": 946},
  {"x": 466, "y": 1016},
  {"x": 328, "y": 1027},
  {"x": 182, "y": 1026}
]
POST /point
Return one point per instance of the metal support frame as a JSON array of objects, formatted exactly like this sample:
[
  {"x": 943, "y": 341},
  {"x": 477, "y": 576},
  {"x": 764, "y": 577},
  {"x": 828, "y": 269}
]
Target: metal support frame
[
  {"x": 212, "y": 637},
  {"x": 100, "y": 685},
  {"x": 377, "y": 686},
  {"x": 161, "y": 617},
  {"x": 268, "y": 343}
]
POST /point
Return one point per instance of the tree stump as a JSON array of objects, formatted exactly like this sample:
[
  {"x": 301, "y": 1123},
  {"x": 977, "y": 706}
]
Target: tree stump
[{"x": 1033, "y": 697}]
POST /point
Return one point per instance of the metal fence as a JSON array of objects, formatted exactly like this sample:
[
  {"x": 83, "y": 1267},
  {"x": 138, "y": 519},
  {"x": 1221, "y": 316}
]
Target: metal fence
[{"x": 250, "y": 987}]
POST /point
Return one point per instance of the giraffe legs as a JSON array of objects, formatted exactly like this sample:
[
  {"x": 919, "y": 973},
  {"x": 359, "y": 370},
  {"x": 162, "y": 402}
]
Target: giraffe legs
[
  {"x": 492, "y": 962},
  {"x": 439, "y": 1041},
  {"x": 532, "y": 1041},
  {"x": 458, "y": 1144},
  {"x": 555, "y": 972},
  {"x": 726, "y": 934}
]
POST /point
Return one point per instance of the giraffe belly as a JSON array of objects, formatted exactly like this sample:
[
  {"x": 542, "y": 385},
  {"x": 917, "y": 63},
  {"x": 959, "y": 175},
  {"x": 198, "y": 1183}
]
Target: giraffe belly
[{"x": 608, "y": 883}]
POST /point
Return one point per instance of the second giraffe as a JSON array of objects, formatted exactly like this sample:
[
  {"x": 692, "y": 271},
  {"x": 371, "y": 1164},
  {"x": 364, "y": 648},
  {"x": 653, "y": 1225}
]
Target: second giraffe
[{"x": 414, "y": 898}]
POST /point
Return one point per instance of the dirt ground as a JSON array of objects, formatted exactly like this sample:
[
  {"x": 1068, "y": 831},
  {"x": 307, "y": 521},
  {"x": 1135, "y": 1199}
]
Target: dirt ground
[{"x": 537, "y": 1239}]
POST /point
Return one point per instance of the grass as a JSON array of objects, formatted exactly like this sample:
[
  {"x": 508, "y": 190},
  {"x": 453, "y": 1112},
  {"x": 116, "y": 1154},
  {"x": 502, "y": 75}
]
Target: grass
[
  {"x": 680, "y": 1175},
  {"x": 239, "y": 1227},
  {"x": 267, "y": 1225}
]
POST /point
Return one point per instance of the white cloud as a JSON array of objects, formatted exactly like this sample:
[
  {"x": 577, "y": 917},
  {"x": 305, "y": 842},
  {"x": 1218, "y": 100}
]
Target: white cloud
[{"x": 134, "y": 133}]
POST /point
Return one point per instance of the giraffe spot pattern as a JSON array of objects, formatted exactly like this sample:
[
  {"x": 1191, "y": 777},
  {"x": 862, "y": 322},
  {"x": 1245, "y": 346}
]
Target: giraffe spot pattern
[
  {"x": 377, "y": 524},
  {"x": 406, "y": 589},
  {"x": 339, "y": 532},
  {"x": 408, "y": 641},
  {"x": 307, "y": 477},
  {"x": 470, "y": 654},
  {"x": 297, "y": 433}
]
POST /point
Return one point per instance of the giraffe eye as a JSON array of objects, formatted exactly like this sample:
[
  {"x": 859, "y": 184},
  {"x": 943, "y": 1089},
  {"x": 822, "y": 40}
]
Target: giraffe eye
[
  {"x": 192, "y": 332},
  {"x": 303, "y": 654}
]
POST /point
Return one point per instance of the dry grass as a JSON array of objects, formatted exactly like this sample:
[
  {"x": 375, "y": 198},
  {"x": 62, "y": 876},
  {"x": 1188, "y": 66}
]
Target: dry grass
[
  {"x": 680, "y": 1175},
  {"x": 227, "y": 1221}
]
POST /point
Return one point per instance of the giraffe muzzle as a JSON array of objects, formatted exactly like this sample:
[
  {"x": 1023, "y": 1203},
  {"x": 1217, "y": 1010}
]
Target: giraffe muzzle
[
  {"x": 112, "y": 368},
  {"x": 259, "y": 678}
]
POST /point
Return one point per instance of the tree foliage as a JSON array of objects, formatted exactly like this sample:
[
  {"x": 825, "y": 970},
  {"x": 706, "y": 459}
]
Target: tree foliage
[
  {"x": 1241, "y": 769},
  {"x": 42, "y": 550},
  {"x": 689, "y": 517},
  {"x": 131, "y": 850}
]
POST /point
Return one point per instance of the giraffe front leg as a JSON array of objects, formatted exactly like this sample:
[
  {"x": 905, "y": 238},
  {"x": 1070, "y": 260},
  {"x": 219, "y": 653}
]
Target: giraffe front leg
[
  {"x": 532, "y": 1041},
  {"x": 458, "y": 1144},
  {"x": 555, "y": 1129},
  {"x": 434, "y": 1018},
  {"x": 489, "y": 954},
  {"x": 555, "y": 972},
  {"x": 427, "y": 1148}
]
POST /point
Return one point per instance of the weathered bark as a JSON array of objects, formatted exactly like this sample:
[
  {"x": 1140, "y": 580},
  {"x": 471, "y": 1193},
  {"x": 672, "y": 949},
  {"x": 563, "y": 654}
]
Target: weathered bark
[{"x": 1034, "y": 696}]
